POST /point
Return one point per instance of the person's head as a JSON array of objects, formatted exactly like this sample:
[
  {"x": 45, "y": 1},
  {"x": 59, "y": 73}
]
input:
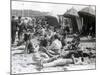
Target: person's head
[
  {"x": 56, "y": 37},
  {"x": 26, "y": 18},
  {"x": 13, "y": 17},
  {"x": 19, "y": 17},
  {"x": 45, "y": 35}
]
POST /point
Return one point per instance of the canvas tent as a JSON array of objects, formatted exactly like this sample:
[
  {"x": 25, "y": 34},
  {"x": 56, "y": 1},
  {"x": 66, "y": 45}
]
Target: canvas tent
[
  {"x": 52, "y": 20},
  {"x": 88, "y": 15},
  {"x": 88, "y": 11},
  {"x": 75, "y": 20}
]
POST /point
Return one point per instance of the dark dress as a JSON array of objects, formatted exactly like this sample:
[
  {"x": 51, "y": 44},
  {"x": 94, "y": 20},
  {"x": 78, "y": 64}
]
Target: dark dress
[
  {"x": 43, "y": 43},
  {"x": 14, "y": 25}
]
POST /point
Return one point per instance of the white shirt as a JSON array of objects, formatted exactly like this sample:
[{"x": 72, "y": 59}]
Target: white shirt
[
  {"x": 43, "y": 31},
  {"x": 56, "y": 44}
]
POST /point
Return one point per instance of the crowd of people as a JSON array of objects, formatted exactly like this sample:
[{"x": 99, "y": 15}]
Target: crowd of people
[{"x": 47, "y": 43}]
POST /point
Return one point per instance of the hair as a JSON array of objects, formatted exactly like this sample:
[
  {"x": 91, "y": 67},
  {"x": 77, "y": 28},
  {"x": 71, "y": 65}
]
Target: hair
[
  {"x": 13, "y": 16},
  {"x": 56, "y": 37},
  {"x": 19, "y": 17}
]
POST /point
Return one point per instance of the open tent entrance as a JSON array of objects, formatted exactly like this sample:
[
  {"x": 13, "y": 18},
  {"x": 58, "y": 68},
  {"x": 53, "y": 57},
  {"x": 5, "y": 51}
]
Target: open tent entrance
[
  {"x": 75, "y": 20},
  {"x": 74, "y": 24},
  {"x": 89, "y": 22}
]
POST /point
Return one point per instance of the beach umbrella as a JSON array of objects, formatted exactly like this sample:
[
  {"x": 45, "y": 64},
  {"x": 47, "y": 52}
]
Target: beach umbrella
[
  {"x": 52, "y": 20},
  {"x": 75, "y": 20},
  {"x": 71, "y": 13},
  {"x": 89, "y": 18},
  {"x": 87, "y": 11}
]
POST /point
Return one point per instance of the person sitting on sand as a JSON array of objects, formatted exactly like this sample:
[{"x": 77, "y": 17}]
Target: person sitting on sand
[
  {"x": 75, "y": 42},
  {"x": 53, "y": 55},
  {"x": 56, "y": 45},
  {"x": 53, "y": 49}
]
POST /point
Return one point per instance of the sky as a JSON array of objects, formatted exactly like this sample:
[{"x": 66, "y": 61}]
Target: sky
[{"x": 45, "y": 7}]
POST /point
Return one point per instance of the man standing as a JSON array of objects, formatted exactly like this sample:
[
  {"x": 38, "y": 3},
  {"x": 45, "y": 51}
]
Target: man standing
[
  {"x": 13, "y": 29},
  {"x": 22, "y": 28},
  {"x": 19, "y": 27}
]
